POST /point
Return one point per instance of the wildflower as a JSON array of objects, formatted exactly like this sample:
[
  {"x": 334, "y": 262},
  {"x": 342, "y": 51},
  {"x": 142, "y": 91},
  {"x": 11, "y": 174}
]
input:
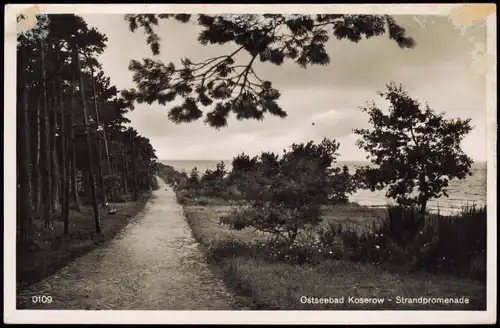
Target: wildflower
[
  {"x": 377, "y": 246},
  {"x": 331, "y": 252}
]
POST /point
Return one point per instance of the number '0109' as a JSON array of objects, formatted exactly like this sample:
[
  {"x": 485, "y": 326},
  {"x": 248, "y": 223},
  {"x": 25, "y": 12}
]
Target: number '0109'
[{"x": 42, "y": 299}]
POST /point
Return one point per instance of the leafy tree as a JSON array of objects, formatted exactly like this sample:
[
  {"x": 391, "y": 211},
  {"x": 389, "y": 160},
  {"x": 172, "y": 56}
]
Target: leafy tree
[
  {"x": 413, "y": 148},
  {"x": 230, "y": 87},
  {"x": 285, "y": 193}
]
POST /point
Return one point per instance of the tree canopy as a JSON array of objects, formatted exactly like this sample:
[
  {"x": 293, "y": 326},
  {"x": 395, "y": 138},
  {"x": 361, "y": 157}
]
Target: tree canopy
[
  {"x": 216, "y": 87},
  {"x": 68, "y": 112},
  {"x": 413, "y": 148}
]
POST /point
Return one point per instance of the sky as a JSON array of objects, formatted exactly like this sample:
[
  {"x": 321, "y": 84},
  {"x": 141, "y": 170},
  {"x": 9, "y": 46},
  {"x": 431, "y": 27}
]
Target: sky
[{"x": 440, "y": 70}]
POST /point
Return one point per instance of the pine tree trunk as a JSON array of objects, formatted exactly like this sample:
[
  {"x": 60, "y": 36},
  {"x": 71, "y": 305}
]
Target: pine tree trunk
[
  {"x": 74, "y": 185},
  {"x": 19, "y": 221},
  {"x": 76, "y": 62},
  {"x": 86, "y": 184},
  {"x": 53, "y": 151},
  {"x": 148, "y": 179},
  {"x": 64, "y": 163},
  {"x": 25, "y": 209},
  {"x": 134, "y": 171},
  {"x": 100, "y": 173},
  {"x": 115, "y": 163},
  {"x": 98, "y": 119},
  {"x": 106, "y": 149},
  {"x": 35, "y": 156},
  {"x": 125, "y": 177},
  {"x": 45, "y": 150},
  {"x": 99, "y": 143}
]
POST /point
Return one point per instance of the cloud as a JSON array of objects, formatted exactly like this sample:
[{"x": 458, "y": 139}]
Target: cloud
[{"x": 339, "y": 122}]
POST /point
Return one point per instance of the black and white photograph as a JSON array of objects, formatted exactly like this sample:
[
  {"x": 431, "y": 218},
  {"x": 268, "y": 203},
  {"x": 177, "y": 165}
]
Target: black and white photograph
[{"x": 248, "y": 159}]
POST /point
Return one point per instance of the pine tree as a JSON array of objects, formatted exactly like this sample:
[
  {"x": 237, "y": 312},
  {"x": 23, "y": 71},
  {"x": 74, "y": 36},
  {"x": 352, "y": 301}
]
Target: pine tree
[
  {"x": 25, "y": 205},
  {"x": 52, "y": 139},
  {"x": 76, "y": 62},
  {"x": 230, "y": 87}
]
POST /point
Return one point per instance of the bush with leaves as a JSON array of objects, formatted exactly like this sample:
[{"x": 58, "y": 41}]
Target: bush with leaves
[
  {"x": 461, "y": 247},
  {"x": 406, "y": 239},
  {"x": 403, "y": 237},
  {"x": 285, "y": 193},
  {"x": 412, "y": 148},
  {"x": 230, "y": 87},
  {"x": 409, "y": 236}
]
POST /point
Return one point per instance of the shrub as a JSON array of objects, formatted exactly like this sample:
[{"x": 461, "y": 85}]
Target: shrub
[
  {"x": 349, "y": 244},
  {"x": 226, "y": 247},
  {"x": 283, "y": 222},
  {"x": 461, "y": 248},
  {"x": 412, "y": 241},
  {"x": 410, "y": 236},
  {"x": 285, "y": 193},
  {"x": 298, "y": 253}
]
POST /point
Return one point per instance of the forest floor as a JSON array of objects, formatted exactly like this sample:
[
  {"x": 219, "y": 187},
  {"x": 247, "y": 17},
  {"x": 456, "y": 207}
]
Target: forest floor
[{"x": 51, "y": 250}]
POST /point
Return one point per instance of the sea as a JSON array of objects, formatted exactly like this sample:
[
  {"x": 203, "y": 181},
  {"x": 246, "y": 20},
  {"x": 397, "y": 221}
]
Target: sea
[{"x": 469, "y": 191}]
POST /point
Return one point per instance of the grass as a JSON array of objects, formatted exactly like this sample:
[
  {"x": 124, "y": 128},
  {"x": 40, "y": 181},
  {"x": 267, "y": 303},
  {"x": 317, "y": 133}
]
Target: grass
[
  {"x": 51, "y": 251},
  {"x": 281, "y": 286},
  {"x": 348, "y": 255},
  {"x": 277, "y": 285},
  {"x": 354, "y": 217}
]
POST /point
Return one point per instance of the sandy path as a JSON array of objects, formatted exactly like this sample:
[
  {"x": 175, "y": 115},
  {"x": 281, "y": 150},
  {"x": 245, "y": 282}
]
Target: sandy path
[{"x": 153, "y": 264}]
